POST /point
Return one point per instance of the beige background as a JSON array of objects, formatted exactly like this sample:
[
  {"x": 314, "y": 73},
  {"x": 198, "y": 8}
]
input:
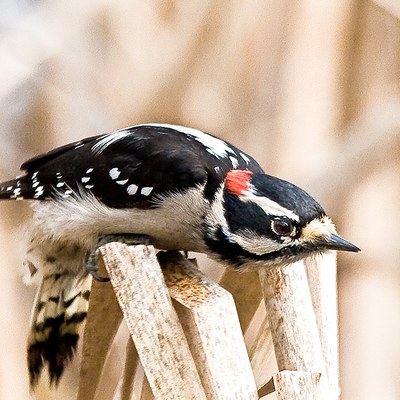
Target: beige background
[{"x": 310, "y": 88}]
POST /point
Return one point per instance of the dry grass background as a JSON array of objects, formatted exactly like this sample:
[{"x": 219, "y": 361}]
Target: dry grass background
[{"x": 310, "y": 88}]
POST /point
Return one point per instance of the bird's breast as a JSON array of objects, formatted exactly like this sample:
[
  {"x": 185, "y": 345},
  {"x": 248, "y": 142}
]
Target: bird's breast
[{"x": 175, "y": 222}]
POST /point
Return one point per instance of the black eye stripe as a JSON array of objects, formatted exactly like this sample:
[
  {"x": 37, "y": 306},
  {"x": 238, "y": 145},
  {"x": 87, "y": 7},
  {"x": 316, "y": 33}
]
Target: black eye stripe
[
  {"x": 250, "y": 216},
  {"x": 241, "y": 216}
]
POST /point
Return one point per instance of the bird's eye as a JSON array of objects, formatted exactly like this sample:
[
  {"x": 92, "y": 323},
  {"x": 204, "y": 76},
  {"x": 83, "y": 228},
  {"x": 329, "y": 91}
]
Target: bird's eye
[{"x": 282, "y": 226}]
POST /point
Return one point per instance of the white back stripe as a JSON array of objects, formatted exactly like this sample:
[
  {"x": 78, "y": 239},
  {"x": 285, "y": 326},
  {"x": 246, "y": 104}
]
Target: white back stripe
[
  {"x": 213, "y": 145},
  {"x": 106, "y": 140}
]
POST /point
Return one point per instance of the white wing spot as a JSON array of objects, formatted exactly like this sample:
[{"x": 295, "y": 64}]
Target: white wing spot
[
  {"x": 60, "y": 184},
  {"x": 89, "y": 186},
  {"x": 217, "y": 170},
  {"x": 85, "y": 179},
  {"x": 9, "y": 188},
  {"x": 146, "y": 190},
  {"x": 39, "y": 191},
  {"x": 67, "y": 193},
  {"x": 17, "y": 191},
  {"x": 132, "y": 189},
  {"x": 89, "y": 170},
  {"x": 123, "y": 182},
  {"x": 36, "y": 183},
  {"x": 114, "y": 173},
  {"x": 34, "y": 175}
]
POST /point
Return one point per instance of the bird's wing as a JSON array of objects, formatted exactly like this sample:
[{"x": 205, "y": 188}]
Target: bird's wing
[{"x": 131, "y": 167}]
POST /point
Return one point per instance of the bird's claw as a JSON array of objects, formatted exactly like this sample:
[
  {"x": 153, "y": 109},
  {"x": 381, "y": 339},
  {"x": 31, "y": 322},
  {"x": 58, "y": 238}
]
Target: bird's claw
[{"x": 129, "y": 239}]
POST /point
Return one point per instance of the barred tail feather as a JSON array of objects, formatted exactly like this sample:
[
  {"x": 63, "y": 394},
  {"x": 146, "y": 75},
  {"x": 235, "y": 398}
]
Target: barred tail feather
[{"x": 60, "y": 308}]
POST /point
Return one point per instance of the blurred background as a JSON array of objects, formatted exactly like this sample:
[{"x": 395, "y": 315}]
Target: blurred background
[{"x": 310, "y": 88}]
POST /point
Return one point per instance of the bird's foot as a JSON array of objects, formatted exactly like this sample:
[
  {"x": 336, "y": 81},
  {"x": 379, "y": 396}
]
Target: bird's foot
[{"x": 127, "y": 238}]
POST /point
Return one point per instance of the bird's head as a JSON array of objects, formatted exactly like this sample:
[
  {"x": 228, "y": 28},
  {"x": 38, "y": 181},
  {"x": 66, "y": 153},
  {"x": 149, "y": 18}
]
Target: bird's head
[{"x": 262, "y": 220}]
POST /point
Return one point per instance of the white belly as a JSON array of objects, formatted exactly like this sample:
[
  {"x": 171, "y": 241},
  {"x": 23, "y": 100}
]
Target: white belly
[{"x": 175, "y": 224}]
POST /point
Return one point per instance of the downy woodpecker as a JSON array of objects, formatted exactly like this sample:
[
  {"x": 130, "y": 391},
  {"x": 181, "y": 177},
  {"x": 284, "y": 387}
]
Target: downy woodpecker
[{"x": 182, "y": 188}]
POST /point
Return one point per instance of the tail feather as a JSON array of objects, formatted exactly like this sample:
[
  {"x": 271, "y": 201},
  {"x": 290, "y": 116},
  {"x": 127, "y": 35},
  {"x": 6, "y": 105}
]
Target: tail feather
[
  {"x": 10, "y": 189},
  {"x": 60, "y": 308},
  {"x": 25, "y": 187}
]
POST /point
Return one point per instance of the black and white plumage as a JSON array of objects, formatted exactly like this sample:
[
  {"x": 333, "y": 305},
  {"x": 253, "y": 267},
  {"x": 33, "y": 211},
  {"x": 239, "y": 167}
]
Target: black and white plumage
[{"x": 184, "y": 189}]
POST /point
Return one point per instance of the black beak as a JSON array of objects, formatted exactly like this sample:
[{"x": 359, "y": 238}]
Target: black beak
[{"x": 335, "y": 242}]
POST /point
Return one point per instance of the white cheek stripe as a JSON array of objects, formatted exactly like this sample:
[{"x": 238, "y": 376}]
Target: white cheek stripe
[
  {"x": 256, "y": 243},
  {"x": 269, "y": 206}
]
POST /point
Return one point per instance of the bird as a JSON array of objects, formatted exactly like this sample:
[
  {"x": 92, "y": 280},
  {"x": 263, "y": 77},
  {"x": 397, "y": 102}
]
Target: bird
[{"x": 180, "y": 187}]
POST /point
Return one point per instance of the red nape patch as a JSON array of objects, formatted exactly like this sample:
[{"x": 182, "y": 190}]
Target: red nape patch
[{"x": 237, "y": 181}]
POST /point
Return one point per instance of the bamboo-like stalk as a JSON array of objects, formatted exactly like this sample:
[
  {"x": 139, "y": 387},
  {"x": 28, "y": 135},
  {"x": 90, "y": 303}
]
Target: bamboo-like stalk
[
  {"x": 131, "y": 366},
  {"x": 300, "y": 322},
  {"x": 152, "y": 321},
  {"x": 103, "y": 319},
  {"x": 293, "y": 326},
  {"x": 293, "y": 385},
  {"x": 246, "y": 291},
  {"x": 321, "y": 271},
  {"x": 207, "y": 313},
  {"x": 212, "y": 327},
  {"x": 260, "y": 348},
  {"x": 146, "y": 392}
]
